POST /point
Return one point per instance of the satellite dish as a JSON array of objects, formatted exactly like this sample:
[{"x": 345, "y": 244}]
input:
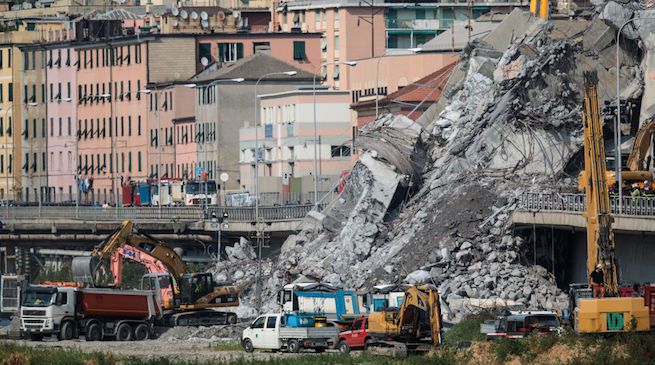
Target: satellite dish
[
  {"x": 175, "y": 11},
  {"x": 224, "y": 176},
  {"x": 221, "y": 15},
  {"x": 183, "y": 14},
  {"x": 204, "y": 61},
  {"x": 175, "y": 23},
  {"x": 204, "y": 23},
  {"x": 204, "y": 16},
  {"x": 194, "y": 15}
]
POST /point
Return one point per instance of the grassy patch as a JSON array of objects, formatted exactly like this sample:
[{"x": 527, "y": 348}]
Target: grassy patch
[
  {"x": 466, "y": 330},
  {"x": 226, "y": 346}
]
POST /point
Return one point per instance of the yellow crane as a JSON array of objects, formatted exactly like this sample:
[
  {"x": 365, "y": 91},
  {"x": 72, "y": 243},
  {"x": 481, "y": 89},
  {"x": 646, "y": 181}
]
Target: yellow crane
[
  {"x": 611, "y": 313},
  {"x": 195, "y": 295}
]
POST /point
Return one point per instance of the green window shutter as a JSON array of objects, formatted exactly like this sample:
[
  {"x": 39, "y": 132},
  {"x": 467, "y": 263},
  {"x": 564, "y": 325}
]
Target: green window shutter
[
  {"x": 239, "y": 51},
  {"x": 299, "y": 51}
]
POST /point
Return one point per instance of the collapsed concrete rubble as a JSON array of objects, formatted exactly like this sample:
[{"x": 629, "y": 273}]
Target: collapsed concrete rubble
[{"x": 430, "y": 201}]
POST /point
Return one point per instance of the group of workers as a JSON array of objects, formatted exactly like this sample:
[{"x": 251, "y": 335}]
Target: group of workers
[{"x": 636, "y": 189}]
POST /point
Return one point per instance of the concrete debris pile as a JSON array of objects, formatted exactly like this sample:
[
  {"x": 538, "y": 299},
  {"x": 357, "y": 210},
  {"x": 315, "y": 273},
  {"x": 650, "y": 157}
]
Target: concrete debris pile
[
  {"x": 432, "y": 202},
  {"x": 213, "y": 334},
  {"x": 240, "y": 268}
]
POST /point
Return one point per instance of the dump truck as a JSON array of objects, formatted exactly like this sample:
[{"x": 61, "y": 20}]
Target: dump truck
[{"x": 95, "y": 313}]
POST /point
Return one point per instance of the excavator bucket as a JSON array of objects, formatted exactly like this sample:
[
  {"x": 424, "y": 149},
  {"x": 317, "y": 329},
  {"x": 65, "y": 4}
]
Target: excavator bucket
[{"x": 84, "y": 269}]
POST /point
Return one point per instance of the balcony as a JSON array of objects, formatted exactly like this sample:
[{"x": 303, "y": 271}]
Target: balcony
[{"x": 414, "y": 24}]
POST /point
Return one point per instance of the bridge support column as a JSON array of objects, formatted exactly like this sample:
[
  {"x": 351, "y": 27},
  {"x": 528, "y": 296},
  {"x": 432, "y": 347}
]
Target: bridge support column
[{"x": 8, "y": 263}]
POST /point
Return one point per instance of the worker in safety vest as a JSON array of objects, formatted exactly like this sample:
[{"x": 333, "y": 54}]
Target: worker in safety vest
[{"x": 597, "y": 282}]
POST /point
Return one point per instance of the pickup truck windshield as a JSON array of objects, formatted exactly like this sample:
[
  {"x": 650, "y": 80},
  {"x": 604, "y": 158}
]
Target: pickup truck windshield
[{"x": 34, "y": 298}]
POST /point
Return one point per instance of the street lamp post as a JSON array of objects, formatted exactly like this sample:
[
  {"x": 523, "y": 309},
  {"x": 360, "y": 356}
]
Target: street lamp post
[
  {"x": 257, "y": 223},
  {"x": 347, "y": 63}
]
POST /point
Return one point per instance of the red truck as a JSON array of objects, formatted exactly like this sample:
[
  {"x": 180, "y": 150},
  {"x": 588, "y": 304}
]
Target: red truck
[
  {"x": 356, "y": 337},
  {"x": 69, "y": 312}
]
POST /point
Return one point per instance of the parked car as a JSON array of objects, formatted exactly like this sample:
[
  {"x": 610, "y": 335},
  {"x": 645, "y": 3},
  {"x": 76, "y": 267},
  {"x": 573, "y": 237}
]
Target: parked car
[{"x": 356, "y": 337}]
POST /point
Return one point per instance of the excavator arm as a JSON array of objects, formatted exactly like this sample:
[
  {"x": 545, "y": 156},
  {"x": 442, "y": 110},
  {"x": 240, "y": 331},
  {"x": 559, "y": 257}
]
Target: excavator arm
[
  {"x": 125, "y": 235},
  {"x": 637, "y": 159}
]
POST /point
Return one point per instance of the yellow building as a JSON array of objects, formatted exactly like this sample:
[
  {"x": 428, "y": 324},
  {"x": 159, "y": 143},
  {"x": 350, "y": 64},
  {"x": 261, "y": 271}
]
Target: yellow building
[{"x": 6, "y": 123}]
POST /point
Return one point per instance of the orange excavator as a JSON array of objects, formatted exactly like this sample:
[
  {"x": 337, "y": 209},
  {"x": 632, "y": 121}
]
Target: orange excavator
[{"x": 194, "y": 297}]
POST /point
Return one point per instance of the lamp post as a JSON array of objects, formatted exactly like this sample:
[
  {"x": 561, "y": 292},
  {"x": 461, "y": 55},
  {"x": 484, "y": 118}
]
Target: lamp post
[
  {"x": 377, "y": 77},
  {"x": 617, "y": 123},
  {"x": 257, "y": 223},
  {"x": 347, "y": 63}
]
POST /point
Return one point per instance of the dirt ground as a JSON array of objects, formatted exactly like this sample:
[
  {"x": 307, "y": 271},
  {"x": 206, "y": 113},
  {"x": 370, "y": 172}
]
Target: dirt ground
[
  {"x": 192, "y": 344},
  {"x": 153, "y": 349}
]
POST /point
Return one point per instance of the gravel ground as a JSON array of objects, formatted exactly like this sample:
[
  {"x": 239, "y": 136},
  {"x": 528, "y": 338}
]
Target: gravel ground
[{"x": 190, "y": 344}]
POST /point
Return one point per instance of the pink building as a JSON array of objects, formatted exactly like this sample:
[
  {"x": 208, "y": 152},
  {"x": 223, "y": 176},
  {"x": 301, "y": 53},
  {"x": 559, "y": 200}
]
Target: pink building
[
  {"x": 287, "y": 139},
  {"x": 301, "y": 50},
  {"x": 171, "y": 110},
  {"x": 349, "y": 31},
  {"x": 108, "y": 80},
  {"x": 61, "y": 76}
]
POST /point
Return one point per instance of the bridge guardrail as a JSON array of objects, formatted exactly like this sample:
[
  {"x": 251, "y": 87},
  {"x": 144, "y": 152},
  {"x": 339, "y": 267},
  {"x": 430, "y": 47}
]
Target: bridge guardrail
[
  {"x": 182, "y": 214},
  {"x": 566, "y": 202}
]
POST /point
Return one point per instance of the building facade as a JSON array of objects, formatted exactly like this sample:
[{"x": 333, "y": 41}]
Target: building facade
[
  {"x": 6, "y": 122},
  {"x": 287, "y": 143}
]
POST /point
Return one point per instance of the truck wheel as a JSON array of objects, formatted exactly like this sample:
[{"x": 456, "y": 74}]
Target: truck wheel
[
  {"x": 247, "y": 345},
  {"x": 124, "y": 332},
  {"x": 232, "y": 318},
  {"x": 141, "y": 332},
  {"x": 293, "y": 346},
  {"x": 93, "y": 332},
  {"x": 36, "y": 337},
  {"x": 343, "y": 347},
  {"x": 66, "y": 331}
]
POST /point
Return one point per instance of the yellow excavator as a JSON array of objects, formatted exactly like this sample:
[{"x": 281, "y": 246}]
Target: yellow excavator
[
  {"x": 610, "y": 313},
  {"x": 195, "y": 296},
  {"x": 413, "y": 327}
]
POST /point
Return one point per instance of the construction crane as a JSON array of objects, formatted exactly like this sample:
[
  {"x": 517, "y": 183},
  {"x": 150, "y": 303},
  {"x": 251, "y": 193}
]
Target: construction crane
[
  {"x": 611, "y": 314},
  {"x": 199, "y": 295},
  {"x": 416, "y": 326}
]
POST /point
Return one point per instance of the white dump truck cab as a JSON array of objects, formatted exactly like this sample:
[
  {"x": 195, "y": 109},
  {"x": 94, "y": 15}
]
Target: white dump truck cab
[
  {"x": 44, "y": 309},
  {"x": 291, "y": 332}
]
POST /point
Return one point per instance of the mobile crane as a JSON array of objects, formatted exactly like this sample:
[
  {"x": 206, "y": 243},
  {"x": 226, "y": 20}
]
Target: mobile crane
[
  {"x": 613, "y": 313},
  {"x": 415, "y": 326},
  {"x": 195, "y": 296}
]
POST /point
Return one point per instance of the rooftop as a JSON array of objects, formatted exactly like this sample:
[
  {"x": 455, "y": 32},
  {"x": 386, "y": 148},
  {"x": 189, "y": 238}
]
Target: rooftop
[{"x": 252, "y": 68}]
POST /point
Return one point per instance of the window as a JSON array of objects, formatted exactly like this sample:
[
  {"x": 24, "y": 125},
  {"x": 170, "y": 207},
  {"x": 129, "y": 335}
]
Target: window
[
  {"x": 230, "y": 52},
  {"x": 204, "y": 50},
  {"x": 299, "y": 51},
  {"x": 335, "y": 75},
  {"x": 138, "y": 160},
  {"x": 1, "y": 53},
  {"x": 10, "y": 92},
  {"x": 69, "y": 89},
  {"x": 43, "y": 162},
  {"x": 1, "y": 91},
  {"x": 60, "y": 125},
  {"x": 263, "y": 47},
  {"x": 2, "y": 127},
  {"x": 258, "y": 323},
  {"x": 138, "y": 125},
  {"x": 270, "y": 322},
  {"x": 69, "y": 126},
  {"x": 340, "y": 151},
  {"x": 129, "y": 159}
]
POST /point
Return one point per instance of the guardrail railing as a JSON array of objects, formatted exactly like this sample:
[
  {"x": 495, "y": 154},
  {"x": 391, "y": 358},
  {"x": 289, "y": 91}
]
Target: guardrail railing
[
  {"x": 181, "y": 214},
  {"x": 566, "y": 202}
]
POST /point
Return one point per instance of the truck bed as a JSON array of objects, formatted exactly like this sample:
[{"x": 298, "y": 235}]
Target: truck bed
[{"x": 309, "y": 332}]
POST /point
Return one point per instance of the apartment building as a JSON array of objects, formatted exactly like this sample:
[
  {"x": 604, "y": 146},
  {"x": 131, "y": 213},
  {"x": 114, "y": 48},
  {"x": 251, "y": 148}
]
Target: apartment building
[
  {"x": 6, "y": 122},
  {"x": 61, "y": 135},
  {"x": 287, "y": 143},
  {"x": 112, "y": 132}
]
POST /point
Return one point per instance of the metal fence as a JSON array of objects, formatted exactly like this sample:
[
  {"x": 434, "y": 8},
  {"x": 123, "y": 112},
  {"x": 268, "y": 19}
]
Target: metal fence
[
  {"x": 641, "y": 206},
  {"x": 181, "y": 214}
]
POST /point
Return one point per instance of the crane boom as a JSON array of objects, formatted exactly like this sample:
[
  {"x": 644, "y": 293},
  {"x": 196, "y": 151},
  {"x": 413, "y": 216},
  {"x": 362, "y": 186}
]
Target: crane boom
[{"x": 600, "y": 239}]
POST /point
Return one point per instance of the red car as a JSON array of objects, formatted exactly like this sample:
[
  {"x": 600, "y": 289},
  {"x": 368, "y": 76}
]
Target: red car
[{"x": 356, "y": 337}]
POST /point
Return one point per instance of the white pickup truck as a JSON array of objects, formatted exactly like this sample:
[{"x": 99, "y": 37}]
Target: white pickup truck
[{"x": 270, "y": 332}]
